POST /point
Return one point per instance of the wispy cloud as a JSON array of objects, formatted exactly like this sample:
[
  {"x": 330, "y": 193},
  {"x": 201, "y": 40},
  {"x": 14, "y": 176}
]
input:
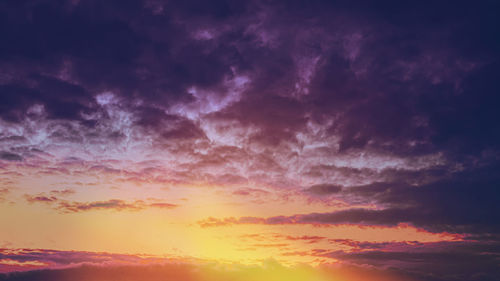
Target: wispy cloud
[{"x": 111, "y": 204}]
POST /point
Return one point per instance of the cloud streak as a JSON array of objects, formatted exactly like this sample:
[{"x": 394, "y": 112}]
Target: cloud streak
[{"x": 111, "y": 204}]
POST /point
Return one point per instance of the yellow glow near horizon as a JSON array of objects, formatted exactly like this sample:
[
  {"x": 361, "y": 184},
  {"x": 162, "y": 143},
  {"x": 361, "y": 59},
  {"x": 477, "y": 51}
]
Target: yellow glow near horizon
[{"x": 159, "y": 232}]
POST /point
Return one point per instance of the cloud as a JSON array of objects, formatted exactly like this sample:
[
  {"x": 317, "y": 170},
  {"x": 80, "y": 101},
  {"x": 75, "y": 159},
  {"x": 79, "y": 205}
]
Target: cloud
[
  {"x": 163, "y": 205},
  {"x": 29, "y": 259},
  {"x": 127, "y": 267},
  {"x": 306, "y": 238},
  {"x": 259, "y": 47},
  {"x": 288, "y": 102},
  {"x": 430, "y": 261},
  {"x": 462, "y": 261},
  {"x": 250, "y": 192},
  {"x": 324, "y": 189},
  {"x": 4, "y": 155},
  {"x": 63, "y": 192},
  {"x": 111, "y": 204},
  {"x": 40, "y": 198},
  {"x": 388, "y": 217},
  {"x": 436, "y": 206}
]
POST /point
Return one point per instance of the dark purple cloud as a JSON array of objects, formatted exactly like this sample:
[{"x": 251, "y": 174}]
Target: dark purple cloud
[
  {"x": 435, "y": 261},
  {"x": 324, "y": 189},
  {"x": 432, "y": 261},
  {"x": 156, "y": 273},
  {"x": 375, "y": 80},
  {"x": 464, "y": 203},
  {"x": 5, "y": 155}
]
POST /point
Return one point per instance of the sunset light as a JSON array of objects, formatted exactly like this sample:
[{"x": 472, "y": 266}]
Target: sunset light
[{"x": 259, "y": 140}]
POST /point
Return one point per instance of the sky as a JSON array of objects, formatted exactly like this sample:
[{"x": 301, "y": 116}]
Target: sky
[{"x": 249, "y": 140}]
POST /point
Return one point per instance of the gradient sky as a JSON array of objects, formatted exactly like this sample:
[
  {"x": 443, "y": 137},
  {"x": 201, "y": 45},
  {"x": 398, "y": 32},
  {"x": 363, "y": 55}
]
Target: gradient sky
[{"x": 249, "y": 140}]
